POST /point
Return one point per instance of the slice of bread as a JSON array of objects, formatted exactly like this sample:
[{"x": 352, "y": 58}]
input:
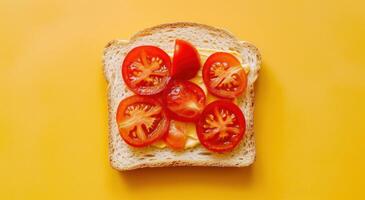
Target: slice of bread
[{"x": 124, "y": 157}]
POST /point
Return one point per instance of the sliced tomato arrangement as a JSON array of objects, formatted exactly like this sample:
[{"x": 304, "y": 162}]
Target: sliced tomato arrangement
[
  {"x": 176, "y": 137},
  {"x": 185, "y": 100},
  {"x": 186, "y": 61},
  {"x": 221, "y": 126},
  {"x": 164, "y": 96},
  {"x": 141, "y": 120},
  {"x": 146, "y": 70},
  {"x": 224, "y": 76}
]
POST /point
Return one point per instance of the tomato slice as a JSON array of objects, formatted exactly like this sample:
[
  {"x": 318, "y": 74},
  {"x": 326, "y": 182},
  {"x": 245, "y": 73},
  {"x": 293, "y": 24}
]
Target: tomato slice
[
  {"x": 185, "y": 100},
  {"x": 186, "y": 61},
  {"x": 221, "y": 126},
  {"x": 141, "y": 120},
  {"x": 176, "y": 137},
  {"x": 146, "y": 70},
  {"x": 224, "y": 76}
]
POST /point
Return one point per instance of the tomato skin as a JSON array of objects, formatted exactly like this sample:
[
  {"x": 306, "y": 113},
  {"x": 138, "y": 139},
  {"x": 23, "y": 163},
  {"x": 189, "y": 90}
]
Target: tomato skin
[
  {"x": 158, "y": 131},
  {"x": 175, "y": 138},
  {"x": 223, "y": 140},
  {"x": 184, "y": 100},
  {"x": 222, "y": 64},
  {"x": 144, "y": 64},
  {"x": 186, "y": 61}
]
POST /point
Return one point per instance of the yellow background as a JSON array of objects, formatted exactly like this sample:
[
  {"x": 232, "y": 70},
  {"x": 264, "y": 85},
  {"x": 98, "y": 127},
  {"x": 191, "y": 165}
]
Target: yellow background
[{"x": 309, "y": 118}]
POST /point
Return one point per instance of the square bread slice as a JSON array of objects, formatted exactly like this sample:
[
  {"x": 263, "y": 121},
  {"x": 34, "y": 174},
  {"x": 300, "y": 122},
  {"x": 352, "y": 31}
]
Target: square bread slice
[{"x": 125, "y": 157}]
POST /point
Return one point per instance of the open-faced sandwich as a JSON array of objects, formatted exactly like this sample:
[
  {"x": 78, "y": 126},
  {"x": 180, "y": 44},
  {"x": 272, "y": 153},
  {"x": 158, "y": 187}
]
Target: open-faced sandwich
[{"x": 181, "y": 94}]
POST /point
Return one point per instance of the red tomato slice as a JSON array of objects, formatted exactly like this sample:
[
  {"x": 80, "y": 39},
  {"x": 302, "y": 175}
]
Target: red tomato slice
[
  {"x": 185, "y": 100},
  {"x": 186, "y": 61},
  {"x": 146, "y": 70},
  {"x": 176, "y": 137},
  {"x": 141, "y": 120},
  {"x": 224, "y": 76},
  {"x": 221, "y": 126}
]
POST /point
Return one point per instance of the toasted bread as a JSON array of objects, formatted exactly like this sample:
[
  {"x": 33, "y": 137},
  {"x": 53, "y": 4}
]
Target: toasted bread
[{"x": 125, "y": 157}]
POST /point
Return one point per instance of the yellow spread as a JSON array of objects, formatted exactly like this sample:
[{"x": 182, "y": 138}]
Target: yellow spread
[{"x": 189, "y": 128}]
